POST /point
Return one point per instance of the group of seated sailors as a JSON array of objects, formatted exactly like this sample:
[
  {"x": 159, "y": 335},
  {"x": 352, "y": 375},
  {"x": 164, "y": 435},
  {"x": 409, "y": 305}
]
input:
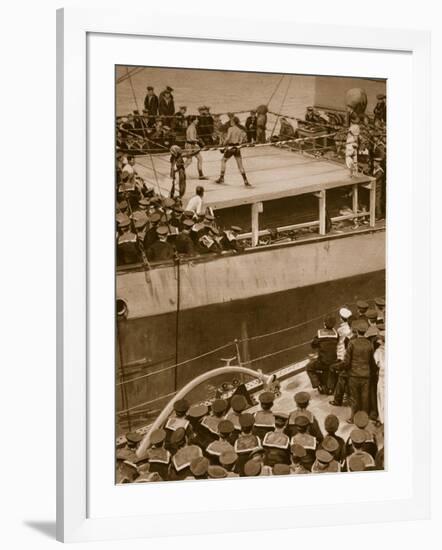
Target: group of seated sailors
[
  {"x": 221, "y": 440},
  {"x": 156, "y": 228},
  {"x": 350, "y": 359}
]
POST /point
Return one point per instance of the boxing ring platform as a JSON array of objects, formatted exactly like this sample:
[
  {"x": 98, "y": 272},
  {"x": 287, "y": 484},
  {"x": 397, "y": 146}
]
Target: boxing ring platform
[{"x": 273, "y": 172}]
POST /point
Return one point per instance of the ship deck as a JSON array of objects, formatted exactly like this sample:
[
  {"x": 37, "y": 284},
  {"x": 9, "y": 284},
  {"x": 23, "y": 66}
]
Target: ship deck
[{"x": 274, "y": 173}]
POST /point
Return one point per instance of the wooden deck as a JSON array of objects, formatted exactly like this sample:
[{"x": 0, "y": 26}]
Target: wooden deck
[{"x": 273, "y": 172}]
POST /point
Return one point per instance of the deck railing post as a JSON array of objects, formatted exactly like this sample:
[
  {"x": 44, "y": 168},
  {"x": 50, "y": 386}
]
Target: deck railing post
[
  {"x": 355, "y": 199},
  {"x": 372, "y": 198},
  {"x": 257, "y": 208},
  {"x": 321, "y": 195}
]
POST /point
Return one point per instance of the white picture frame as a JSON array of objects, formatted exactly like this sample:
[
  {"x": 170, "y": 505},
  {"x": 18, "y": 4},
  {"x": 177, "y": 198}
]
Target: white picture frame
[{"x": 80, "y": 514}]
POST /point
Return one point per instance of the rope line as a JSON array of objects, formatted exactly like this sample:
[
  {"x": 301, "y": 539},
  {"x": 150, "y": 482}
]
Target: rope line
[
  {"x": 251, "y": 338},
  {"x": 177, "y": 364},
  {"x": 278, "y": 351}
]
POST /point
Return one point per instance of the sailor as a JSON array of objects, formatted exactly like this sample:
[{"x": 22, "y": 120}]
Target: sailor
[
  {"x": 303, "y": 438},
  {"x": 331, "y": 426},
  {"x": 157, "y": 456},
  {"x": 128, "y": 452},
  {"x": 193, "y": 146},
  {"x": 325, "y": 341},
  {"x": 264, "y": 419},
  {"x": 276, "y": 443},
  {"x": 281, "y": 470},
  {"x": 199, "y": 467},
  {"x": 254, "y": 468},
  {"x": 217, "y": 472},
  {"x": 238, "y": 404},
  {"x": 195, "y": 415},
  {"x": 177, "y": 169},
  {"x": 358, "y": 438},
  {"x": 362, "y": 306},
  {"x": 344, "y": 335},
  {"x": 161, "y": 250},
  {"x": 372, "y": 316},
  {"x": 151, "y": 235},
  {"x": 151, "y": 105},
  {"x": 355, "y": 463},
  {"x": 331, "y": 445},
  {"x": 325, "y": 463},
  {"x": 184, "y": 243},
  {"x": 177, "y": 419},
  {"x": 140, "y": 221},
  {"x": 234, "y": 138},
  {"x": 228, "y": 461},
  {"x": 126, "y": 471},
  {"x": 229, "y": 239},
  {"x": 251, "y": 127},
  {"x": 299, "y": 458},
  {"x": 302, "y": 400},
  {"x": 246, "y": 442},
  {"x": 380, "y": 110},
  {"x": 184, "y": 455},
  {"x": 127, "y": 244},
  {"x": 362, "y": 422},
  {"x": 211, "y": 422},
  {"x": 380, "y": 307},
  {"x": 222, "y": 444},
  {"x": 359, "y": 363}
]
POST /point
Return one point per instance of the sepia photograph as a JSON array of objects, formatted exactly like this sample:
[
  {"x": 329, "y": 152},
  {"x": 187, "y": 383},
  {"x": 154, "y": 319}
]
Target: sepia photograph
[{"x": 250, "y": 274}]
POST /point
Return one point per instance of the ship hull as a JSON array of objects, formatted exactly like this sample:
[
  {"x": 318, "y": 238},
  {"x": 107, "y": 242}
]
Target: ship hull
[{"x": 233, "y": 298}]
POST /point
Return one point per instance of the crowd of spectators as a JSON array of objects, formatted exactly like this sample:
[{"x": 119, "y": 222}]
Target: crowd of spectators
[
  {"x": 155, "y": 228},
  {"x": 222, "y": 440}
]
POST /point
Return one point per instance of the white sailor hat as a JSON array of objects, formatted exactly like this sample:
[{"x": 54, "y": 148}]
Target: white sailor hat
[{"x": 345, "y": 313}]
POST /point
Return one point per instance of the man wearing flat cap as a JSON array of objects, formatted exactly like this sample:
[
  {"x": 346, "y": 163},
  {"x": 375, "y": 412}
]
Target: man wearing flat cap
[
  {"x": 276, "y": 444},
  {"x": 177, "y": 420}
]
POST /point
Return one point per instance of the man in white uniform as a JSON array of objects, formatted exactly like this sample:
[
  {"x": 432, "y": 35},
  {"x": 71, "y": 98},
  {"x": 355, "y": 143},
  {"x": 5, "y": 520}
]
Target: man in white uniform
[
  {"x": 195, "y": 203},
  {"x": 379, "y": 357}
]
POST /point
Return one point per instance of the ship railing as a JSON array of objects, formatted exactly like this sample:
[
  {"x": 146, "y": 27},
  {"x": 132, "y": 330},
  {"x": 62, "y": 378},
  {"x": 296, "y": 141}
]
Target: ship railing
[{"x": 258, "y": 207}]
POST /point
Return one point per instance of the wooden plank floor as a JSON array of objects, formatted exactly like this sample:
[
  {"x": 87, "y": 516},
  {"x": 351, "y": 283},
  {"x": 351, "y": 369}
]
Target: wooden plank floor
[{"x": 272, "y": 171}]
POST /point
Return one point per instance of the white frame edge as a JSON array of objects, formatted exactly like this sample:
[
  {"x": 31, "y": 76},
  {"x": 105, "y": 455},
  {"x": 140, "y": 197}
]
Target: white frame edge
[{"x": 73, "y": 24}]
